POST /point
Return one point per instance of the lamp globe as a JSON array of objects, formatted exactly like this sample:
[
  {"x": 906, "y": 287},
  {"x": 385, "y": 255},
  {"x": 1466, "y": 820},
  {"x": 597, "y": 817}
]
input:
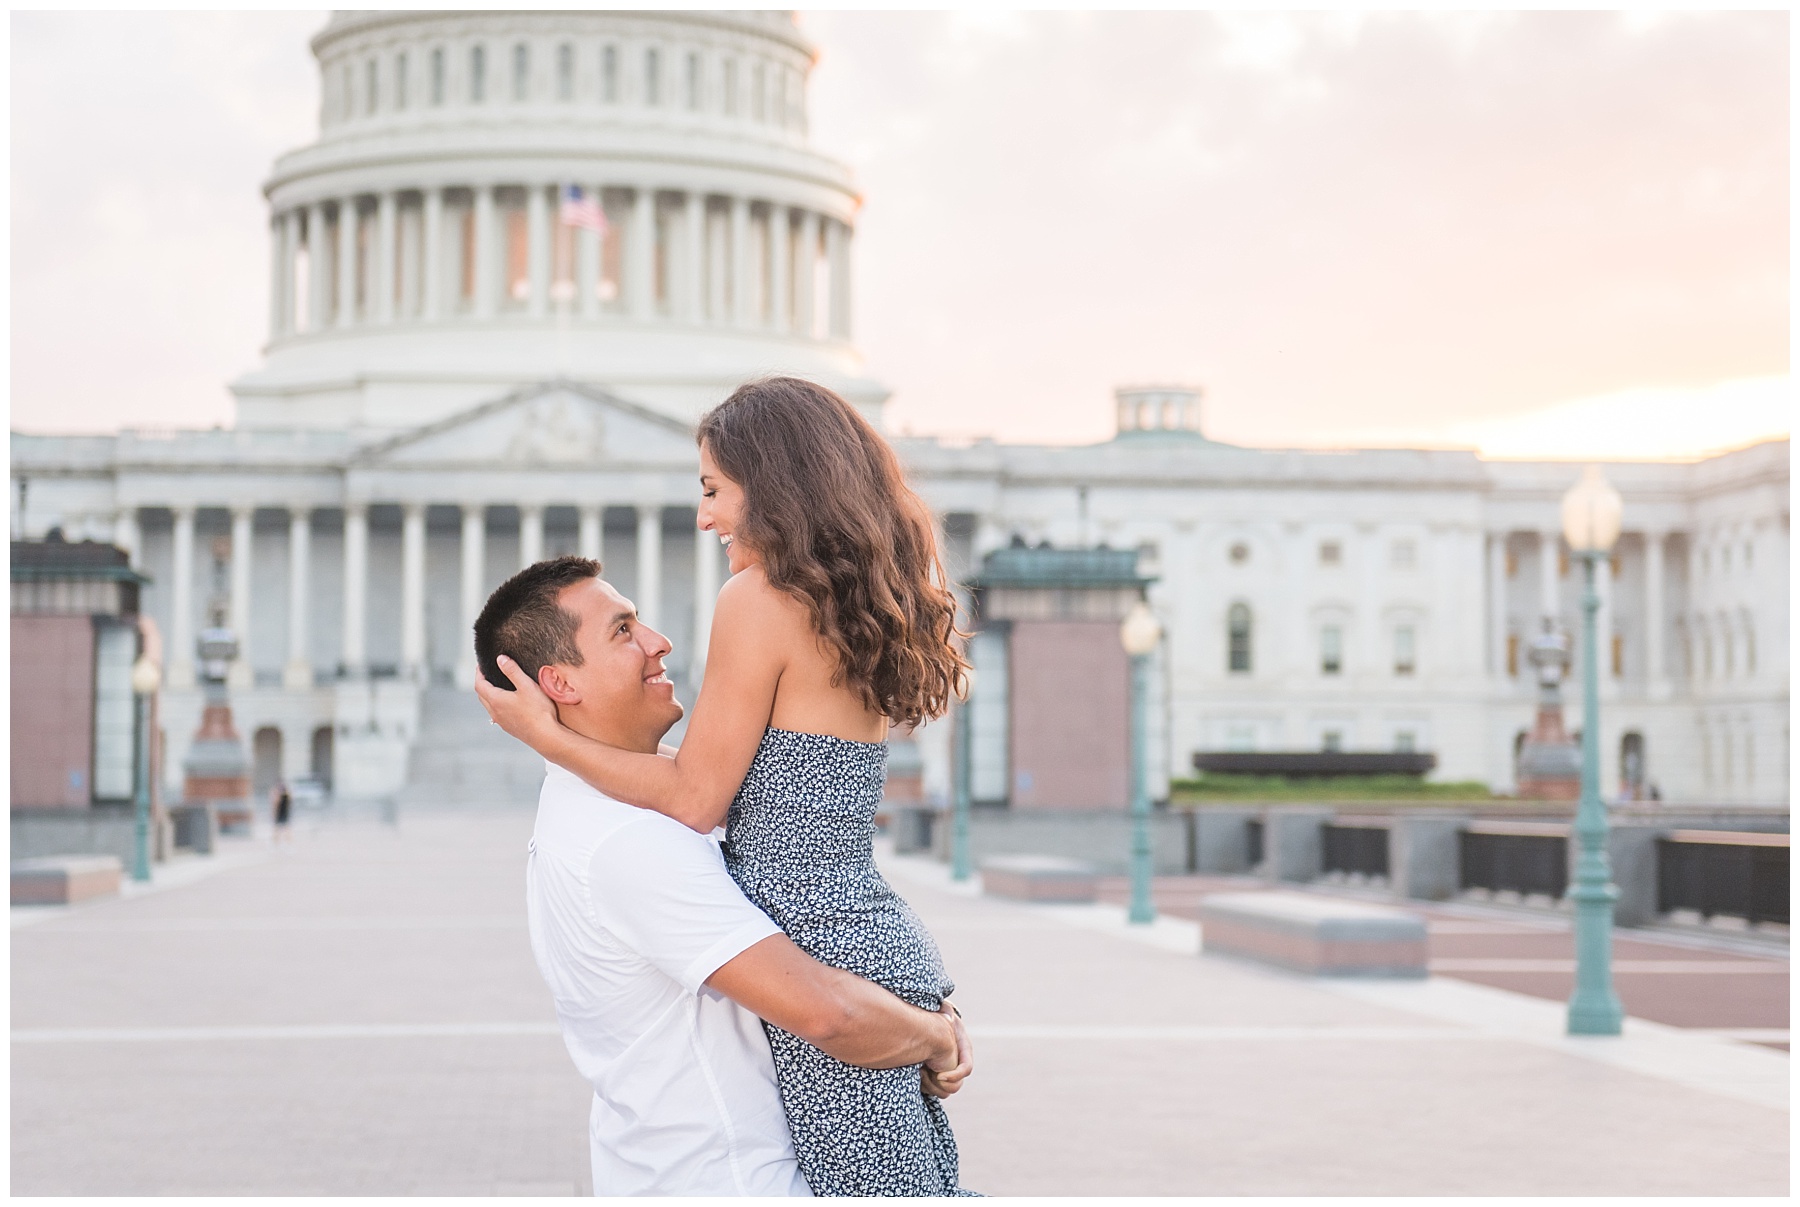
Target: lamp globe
[{"x": 1591, "y": 513}]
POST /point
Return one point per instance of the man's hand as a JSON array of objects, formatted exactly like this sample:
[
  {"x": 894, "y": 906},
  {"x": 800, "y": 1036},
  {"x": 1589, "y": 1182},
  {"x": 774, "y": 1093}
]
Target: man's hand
[{"x": 942, "y": 1077}]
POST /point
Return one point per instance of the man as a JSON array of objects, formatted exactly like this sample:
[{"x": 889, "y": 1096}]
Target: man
[{"x": 658, "y": 965}]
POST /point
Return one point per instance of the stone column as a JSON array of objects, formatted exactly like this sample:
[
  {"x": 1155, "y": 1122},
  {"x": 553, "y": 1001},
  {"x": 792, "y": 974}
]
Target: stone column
[
  {"x": 837, "y": 253},
  {"x": 1549, "y": 558},
  {"x": 356, "y": 568},
  {"x": 297, "y": 675},
  {"x": 431, "y": 256},
  {"x": 387, "y": 258},
  {"x": 1497, "y": 604},
  {"x": 318, "y": 269},
  {"x": 649, "y": 564},
  {"x": 531, "y": 535},
  {"x": 474, "y": 554},
  {"x": 346, "y": 266},
  {"x": 242, "y": 559},
  {"x": 693, "y": 260},
  {"x": 279, "y": 257},
  {"x": 412, "y": 591},
  {"x": 537, "y": 245},
  {"x": 1656, "y": 675},
  {"x": 640, "y": 292},
  {"x": 780, "y": 262},
  {"x": 181, "y": 601},
  {"x": 706, "y": 593},
  {"x": 742, "y": 304},
  {"x": 805, "y": 262},
  {"x": 587, "y": 266},
  {"x": 128, "y": 536},
  {"x": 486, "y": 249},
  {"x": 592, "y": 538}
]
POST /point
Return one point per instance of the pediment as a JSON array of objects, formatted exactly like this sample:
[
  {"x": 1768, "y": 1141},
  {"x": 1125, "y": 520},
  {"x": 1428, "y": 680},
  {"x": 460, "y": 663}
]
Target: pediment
[{"x": 561, "y": 425}]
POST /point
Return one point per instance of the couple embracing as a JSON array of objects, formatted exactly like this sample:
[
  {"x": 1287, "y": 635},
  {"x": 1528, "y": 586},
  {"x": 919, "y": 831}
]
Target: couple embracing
[{"x": 760, "y": 1015}]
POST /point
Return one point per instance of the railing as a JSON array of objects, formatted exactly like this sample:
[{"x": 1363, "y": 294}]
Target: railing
[
  {"x": 1355, "y": 850},
  {"x": 1518, "y": 857},
  {"x": 1715, "y": 872}
]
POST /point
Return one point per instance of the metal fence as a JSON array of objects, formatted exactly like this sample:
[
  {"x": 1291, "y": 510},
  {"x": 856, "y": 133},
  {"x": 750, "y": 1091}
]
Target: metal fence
[
  {"x": 1716, "y": 873},
  {"x": 1355, "y": 850},
  {"x": 1520, "y": 858}
]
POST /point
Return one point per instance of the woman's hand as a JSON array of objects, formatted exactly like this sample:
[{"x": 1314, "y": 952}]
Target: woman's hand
[{"x": 525, "y": 712}]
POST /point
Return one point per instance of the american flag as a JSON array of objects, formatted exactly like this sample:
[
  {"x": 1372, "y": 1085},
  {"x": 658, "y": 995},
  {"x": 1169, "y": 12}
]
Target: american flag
[{"x": 581, "y": 209}]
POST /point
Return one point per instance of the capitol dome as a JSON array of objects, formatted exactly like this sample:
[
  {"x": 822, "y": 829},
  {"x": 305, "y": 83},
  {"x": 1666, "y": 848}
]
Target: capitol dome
[{"x": 420, "y": 265}]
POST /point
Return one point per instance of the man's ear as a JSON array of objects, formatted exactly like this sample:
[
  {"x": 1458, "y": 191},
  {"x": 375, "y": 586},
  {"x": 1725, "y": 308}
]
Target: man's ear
[{"x": 557, "y": 686}]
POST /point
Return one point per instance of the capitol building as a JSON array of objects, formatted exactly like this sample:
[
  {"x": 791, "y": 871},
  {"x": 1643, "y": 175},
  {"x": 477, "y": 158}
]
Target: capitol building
[{"x": 457, "y": 383}]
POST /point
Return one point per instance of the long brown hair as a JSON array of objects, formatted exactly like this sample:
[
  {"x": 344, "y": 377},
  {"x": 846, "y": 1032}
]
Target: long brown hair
[{"x": 829, "y": 513}]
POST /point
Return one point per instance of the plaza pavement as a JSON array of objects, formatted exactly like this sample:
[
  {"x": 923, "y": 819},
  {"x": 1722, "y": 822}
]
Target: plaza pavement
[{"x": 357, "y": 1012}]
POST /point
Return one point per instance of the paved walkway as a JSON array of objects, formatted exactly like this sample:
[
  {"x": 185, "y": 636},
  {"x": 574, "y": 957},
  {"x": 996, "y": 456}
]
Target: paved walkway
[{"x": 357, "y": 1012}]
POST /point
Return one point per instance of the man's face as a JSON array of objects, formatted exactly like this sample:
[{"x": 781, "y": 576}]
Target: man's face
[{"x": 621, "y": 681}]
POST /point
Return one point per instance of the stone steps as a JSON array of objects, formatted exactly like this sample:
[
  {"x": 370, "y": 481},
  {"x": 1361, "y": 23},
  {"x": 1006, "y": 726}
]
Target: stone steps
[{"x": 461, "y": 760}]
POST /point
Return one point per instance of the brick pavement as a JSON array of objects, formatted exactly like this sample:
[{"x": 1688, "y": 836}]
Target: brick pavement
[{"x": 358, "y": 1013}]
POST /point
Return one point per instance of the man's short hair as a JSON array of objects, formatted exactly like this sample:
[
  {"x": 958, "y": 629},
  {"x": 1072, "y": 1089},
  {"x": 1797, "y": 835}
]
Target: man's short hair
[{"x": 523, "y": 620}]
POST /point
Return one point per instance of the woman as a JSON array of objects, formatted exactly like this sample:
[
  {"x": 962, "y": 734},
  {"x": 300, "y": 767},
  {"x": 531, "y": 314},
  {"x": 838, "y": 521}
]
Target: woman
[{"x": 834, "y": 624}]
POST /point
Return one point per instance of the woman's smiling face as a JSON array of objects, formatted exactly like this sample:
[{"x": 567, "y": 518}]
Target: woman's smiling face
[{"x": 721, "y": 508}]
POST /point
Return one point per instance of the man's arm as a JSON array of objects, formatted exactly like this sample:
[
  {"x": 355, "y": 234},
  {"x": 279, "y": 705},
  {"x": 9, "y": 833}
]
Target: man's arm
[{"x": 844, "y": 1016}]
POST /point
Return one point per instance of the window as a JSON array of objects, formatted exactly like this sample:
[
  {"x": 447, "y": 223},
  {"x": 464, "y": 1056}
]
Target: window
[
  {"x": 1332, "y": 741},
  {"x": 1405, "y": 741},
  {"x": 731, "y": 87},
  {"x": 521, "y": 72},
  {"x": 693, "y": 81},
  {"x": 1240, "y": 553},
  {"x": 1238, "y": 639},
  {"x": 609, "y": 74},
  {"x": 652, "y": 77},
  {"x": 1405, "y": 555},
  {"x": 1331, "y": 553},
  {"x": 400, "y": 81},
  {"x": 437, "y": 77},
  {"x": 374, "y": 89},
  {"x": 1404, "y": 656},
  {"x": 1331, "y": 650},
  {"x": 1512, "y": 655},
  {"x": 1240, "y": 738},
  {"x": 565, "y": 72},
  {"x": 478, "y": 74},
  {"x": 1618, "y": 655}
]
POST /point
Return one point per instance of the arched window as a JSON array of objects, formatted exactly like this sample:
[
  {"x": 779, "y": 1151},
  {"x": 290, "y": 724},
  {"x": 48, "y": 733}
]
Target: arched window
[
  {"x": 478, "y": 74},
  {"x": 1405, "y": 650},
  {"x": 652, "y": 77},
  {"x": 565, "y": 72},
  {"x": 521, "y": 72},
  {"x": 1331, "y": 649},
  {"x": 437, "y": 76},
  {"x": 1237, "y": 625}
]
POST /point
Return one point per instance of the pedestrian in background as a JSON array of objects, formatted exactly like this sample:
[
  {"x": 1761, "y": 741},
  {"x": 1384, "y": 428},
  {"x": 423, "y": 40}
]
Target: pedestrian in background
[{"x": 284, "y": 809}]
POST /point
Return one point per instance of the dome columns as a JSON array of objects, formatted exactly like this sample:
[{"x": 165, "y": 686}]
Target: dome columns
[{"x": 674, "y": 255}]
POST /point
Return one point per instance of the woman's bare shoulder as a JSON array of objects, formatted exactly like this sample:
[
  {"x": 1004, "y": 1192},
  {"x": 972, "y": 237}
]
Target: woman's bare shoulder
[{"x": 748, "y": 597}]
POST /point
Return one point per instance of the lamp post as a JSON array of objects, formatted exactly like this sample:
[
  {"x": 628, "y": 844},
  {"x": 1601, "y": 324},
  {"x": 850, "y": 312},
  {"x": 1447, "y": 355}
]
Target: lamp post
[
  {"x": 1591, "y": 514},
  {"x": 960, "y": 791},
  {"x": 1139, "y": 634},
  {"x": 146, "y": 677}
]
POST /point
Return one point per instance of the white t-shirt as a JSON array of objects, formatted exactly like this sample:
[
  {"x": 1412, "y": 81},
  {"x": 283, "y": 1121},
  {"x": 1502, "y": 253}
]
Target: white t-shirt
[{"x": 630, "y": 912}]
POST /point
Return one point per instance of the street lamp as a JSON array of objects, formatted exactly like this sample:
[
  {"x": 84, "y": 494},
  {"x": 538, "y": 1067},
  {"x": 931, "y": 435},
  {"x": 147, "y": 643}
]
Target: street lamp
[
  {"x": 1590, "y": 513},
  {"x": 1139, "y": 634},
  {"x": 959, "y": 803},
  {"x": 146, "y": 677}
]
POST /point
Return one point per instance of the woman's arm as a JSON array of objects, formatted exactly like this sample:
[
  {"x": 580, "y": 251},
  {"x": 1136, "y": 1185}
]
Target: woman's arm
[{"x": 696, "y": 786}]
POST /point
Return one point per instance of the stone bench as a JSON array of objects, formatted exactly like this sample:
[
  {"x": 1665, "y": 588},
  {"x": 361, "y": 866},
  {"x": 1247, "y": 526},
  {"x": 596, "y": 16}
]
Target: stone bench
[
  {"x": 1043, "y": 878},
  {"x": 65, "y": 879},
  {"x": 1315, "y": 935}
]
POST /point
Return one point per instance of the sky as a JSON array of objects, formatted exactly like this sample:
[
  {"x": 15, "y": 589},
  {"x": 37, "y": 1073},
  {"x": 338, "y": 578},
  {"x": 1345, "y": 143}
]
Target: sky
[{"x": 1536, "y": 234}]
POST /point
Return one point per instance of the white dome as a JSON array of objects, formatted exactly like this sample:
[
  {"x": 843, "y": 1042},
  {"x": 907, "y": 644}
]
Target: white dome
[{"x": 420, "y": 265}]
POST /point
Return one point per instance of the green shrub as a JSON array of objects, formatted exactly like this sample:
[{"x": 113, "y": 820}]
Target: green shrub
[{"x": 1223, "y": 787}]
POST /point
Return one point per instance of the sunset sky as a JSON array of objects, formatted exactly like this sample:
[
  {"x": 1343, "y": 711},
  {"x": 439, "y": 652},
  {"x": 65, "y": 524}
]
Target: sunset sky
[{"x": 1546, "y": 234}]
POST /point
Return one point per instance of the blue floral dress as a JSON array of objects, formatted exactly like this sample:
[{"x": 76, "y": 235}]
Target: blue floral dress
[{"x": 799, "y": 844}]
